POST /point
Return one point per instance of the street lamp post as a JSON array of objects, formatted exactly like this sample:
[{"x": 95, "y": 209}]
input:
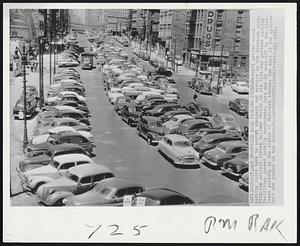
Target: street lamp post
[{"x": 24, "y": 59}]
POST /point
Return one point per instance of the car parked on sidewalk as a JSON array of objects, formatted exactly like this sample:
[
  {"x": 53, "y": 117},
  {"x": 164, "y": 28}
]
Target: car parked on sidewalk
[
  {"x": 223, "y": 152},
  {"x": 198, "y": 108},
  {"x": 54, "y": 150},
  {"x": 237, "y": 166},
  {"x": 150, "y": 128},
  {"x": 161, "y": 109},
  {"x": 78, "y": 179},
  {"x": 131, "y": 113},
  {"x": 60, "y": 138},
  {"x": 212, "y": 140},
  {"x": 108, "y": 192},
  {"x": 179, "y": 150},
  {"x": 31, "y": 108},
  {"x": 196, "y": 137},
  {"x": 225, "y": 121},
  {"x": 113, "y": 94},
  {"x": 239, "y": 105},
  {"x": 161, "y": 197},
  {"x": 58, "y": 166}
]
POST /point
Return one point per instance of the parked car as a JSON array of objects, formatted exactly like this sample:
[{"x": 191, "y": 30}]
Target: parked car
[
  {"x": 59, "y": 138},
  {"x": 58, "y": 122},
  {"x": 131, "y": 113},
  {"x": 192, "y": 126},
  {"x": 54, "y": 150},
  {"x": 31, "y": 92},
  {"x": 173, "y": 124},
  {"x": 31, "y": 108},
  {"x": 236, "y": 166},
  {"x": 150, "y": 128},
  {"x": 120, "y": 102},
  {"x": 77, "y": 180},
  {"x": 199, "y": 108},
  {"x": 67, "y": 63},
  {"x": 244, "y": 180},
  {"x": 75, "y": 105},
  {"x": 224, "y": 151},
  {"x": 171, "y": 98},
  {"x": 113, "y": 94},
  {"x": 240, "y": 87},
  {"x": 204, "y": 87},
  {"x": 162, "y": 70},
  {"x": 150, "y": 104},
  {"x": 168, "y": 115},
  {"x": 179, "y": 150},
  {"x": 212, "y": 140},
  {"x": 196, "y": 137},
  {"x": 58, "y": 166},
  {"x": 161, "y": 197},
  {"x": 108, "y": 192},
  {"x": 225, "y": 121},
  {"x": 161, "y": 109},
  {"x": 239, "y": 105}
]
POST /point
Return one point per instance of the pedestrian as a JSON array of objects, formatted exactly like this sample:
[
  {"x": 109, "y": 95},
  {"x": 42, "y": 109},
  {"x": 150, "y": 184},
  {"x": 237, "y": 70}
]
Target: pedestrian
[{"x": 195, "y": 97}]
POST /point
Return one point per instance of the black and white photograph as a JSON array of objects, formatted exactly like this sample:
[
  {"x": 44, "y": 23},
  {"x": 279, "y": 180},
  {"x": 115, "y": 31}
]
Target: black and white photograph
[{"x": 145, "y": 107}]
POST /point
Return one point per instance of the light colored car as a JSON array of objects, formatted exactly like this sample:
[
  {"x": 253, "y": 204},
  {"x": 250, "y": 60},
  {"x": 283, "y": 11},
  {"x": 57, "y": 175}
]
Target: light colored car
[
  {"x": 109, "y": 192},
  {"x": 78, "y": 179},
  {"x": 171, "y": 98},
  {"x": 171, "y": 89},
  {"x": 178, "y": 148},
  {"x": 63, "y": 94},
  {"x": 225, "y": 121},
  {"x": 140, "y": 98},
  {"x": 240, "y": 87},
  {"x": 65, "y": 62},
  {"x": 244, "y": 180},
  {"x": 113, "y": 93},
  {"x": 172, "y": 125},
  {"x": 58, "y": 166}
]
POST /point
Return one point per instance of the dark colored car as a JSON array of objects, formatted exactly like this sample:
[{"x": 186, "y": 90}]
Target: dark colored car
[
  {"x": 162, "y": 196},
  {"x": 31, "y": 108},
  {"x": 198, "y": 108},
  {"x": 161, "y": 109},
  {"x": 196, "y": 137},
  {"x": 150, "y": 128},
  {"x": 120, "y": 102},
  {"x": 239, "y": 105},
  {"x": 164, "y": 71},
  {"x": 60, "y": 138},
  {"x": 75, "y": 105},
  {"x": 168, "y": 115},
  {"x": 131, "y": 113},
  {"x": 78, "y": 89},
  {"x": 237, "y": 166},
  {"x": 192, "y": 126},
  {"x": 152, "y": 103},
  {"x": 212, "y": 140},
  {"x": 53, "y": 150}
]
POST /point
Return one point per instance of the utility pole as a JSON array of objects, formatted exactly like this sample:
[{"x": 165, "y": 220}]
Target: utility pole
[
  {"x": 213, "y": 59},
  {"x": 220, "y": 66},
  {"x": 174, "y": 55},
  {"x": 198, "y": 62},
  {"x": 232, "y": 57}
]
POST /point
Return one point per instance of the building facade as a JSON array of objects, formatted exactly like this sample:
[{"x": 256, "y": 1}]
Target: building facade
[
  {"x": 212, "y": 34},
  {"x": 117, "y": 20},
  {"x": 171, "y": 30}
]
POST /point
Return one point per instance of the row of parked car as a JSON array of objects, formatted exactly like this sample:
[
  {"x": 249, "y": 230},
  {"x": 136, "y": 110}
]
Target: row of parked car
[{"x": 186, "y": 134}]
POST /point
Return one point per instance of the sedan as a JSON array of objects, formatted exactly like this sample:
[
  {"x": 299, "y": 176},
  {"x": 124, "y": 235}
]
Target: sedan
[
  {"x": 240, "y": 87},
  {"x": 108, "y": 192},
  {"x": 225, "y": 121},
  {"x": 239, "y": 105},
  {"x": 179, "y": 150},
  {"x": 173, "y": 124},
  {"x": 31, "y": 108},
  {"x": 236, "y": 166},
  {"x": 67, "y": 63},
  {"x": 113, "y": 94}
]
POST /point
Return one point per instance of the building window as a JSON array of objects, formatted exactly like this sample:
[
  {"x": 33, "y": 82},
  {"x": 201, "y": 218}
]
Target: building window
[
  {"x": 240, "y": 12},
  {"x": 243, "y": 61},
  {"x": 239, "y": 19},
  {"x": 235, "y": 59}
]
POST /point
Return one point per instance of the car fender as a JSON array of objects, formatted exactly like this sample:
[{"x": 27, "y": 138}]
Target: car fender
[
  {"x": 37, "y": 180},
  {"x": 58, "y": 195}
]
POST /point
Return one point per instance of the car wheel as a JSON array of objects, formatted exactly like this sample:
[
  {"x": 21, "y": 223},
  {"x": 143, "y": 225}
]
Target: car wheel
[{"x": 37, "y": 187}]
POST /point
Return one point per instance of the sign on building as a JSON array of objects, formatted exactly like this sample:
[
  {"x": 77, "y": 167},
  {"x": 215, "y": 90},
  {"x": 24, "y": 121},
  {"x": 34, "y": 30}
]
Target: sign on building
[{"x": 209, "y": 29}]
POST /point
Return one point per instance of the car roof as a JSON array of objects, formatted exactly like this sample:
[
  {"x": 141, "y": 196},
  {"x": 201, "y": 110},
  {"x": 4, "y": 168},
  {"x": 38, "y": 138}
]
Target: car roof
[
  {"x": 65, "y": 119},
  {"x": 233, "y": 143},
  {"x": 176, "y": 137},
  {"x": 63, "y": 134},
  {"x": 217, "y": 135},
  {"x": 183, "y": 116},
  {"x": 131, "y": 104},
  {"x": 224, "y": 115},
  {"x": 69, "y": 111},
  {"x": 119, "y": 183},
  {"x": 151, "y": 118},
  {"x": 160, "y": 193},
  {"x": 167, "y": 105},
  {"x": 88, "y": 170},
  {"x": 197, "y": 121},
  {"x": 71, "y": 158}
]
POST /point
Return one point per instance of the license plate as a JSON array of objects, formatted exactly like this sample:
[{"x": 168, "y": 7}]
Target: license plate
[{"x": 21, "y": 115}]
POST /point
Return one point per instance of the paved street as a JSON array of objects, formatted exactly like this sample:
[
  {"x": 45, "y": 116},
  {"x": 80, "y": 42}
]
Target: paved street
[{"x": 129, "y": 156}]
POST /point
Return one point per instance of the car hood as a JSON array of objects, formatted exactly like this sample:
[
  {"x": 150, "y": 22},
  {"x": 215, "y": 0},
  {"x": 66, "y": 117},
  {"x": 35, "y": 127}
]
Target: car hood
[
  {"x": 90, "y": 197},
  {"x": 39, "y": 139},
  {"x": 37, "y": 159},
  {"x": 41, "y": 170},
  {"x": 38, "y": 146},
  {"x": 215, "y": 153},
  {"x": 61, "y": 183},
  {"x": 237, "y": 162}
]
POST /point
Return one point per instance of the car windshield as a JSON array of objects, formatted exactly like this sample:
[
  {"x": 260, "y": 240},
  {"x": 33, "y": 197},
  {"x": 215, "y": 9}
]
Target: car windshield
[
  {"x": 103, "y": 190},
  {"x": 72, "y": 177},
  {"x": 51, "y": 140},
  {"x": 182, "y": 143},
  {"x": 54, "y": 164}
]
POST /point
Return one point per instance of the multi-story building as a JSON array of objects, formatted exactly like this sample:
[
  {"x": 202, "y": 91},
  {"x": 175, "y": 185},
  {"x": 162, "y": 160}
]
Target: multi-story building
[
  {"x": 94, "y": 18},
  {"x": 117, "y": 20},
  {"x": 216, "y": 33},
  {"x": 171, "y": 30}
]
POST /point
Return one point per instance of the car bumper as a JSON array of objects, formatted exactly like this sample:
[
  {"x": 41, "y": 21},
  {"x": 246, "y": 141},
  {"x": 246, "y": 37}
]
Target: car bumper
[
  {"x": 230, "y": 172},
  {"x": 188, "y": 163},
  {"x": 209, "y": 161}
]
